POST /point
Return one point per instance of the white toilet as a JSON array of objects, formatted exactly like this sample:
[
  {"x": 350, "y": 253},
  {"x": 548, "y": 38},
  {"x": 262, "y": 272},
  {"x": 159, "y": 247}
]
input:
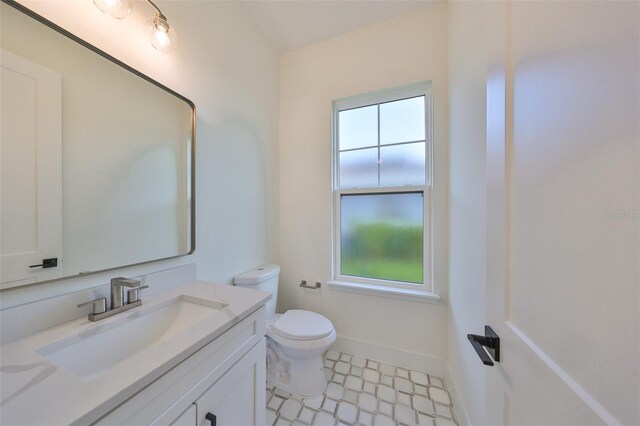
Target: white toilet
[{"x": 296, "y": 339}]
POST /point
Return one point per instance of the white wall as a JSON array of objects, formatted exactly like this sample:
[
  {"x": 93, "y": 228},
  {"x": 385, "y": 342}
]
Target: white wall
[
  {"x": 399, "y": 51},
  {"x": 467, "y": 201},
  {"x": 225, "y": 66}
]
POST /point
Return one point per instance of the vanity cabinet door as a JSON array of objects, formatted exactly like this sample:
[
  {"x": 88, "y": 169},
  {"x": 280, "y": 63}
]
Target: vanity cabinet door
[
  {"x": 238, "y": 397},
  {"x": 188, "y": 418}
]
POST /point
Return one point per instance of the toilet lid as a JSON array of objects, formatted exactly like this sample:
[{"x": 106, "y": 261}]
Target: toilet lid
[{"x": 302, "y": 325}]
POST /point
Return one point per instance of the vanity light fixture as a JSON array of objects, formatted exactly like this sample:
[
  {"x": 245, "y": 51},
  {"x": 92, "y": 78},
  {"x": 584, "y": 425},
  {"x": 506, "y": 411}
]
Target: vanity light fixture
[
  {"x": 116, "y": 8},
  {"x": 157, "y": 28}
]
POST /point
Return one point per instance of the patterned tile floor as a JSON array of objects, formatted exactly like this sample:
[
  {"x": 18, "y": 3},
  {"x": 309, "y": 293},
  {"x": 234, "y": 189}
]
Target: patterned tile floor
[{"x": 366, "y": 392}]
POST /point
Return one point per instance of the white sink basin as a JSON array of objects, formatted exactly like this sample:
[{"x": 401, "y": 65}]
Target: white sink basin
[{"x": 101, "y": 347}]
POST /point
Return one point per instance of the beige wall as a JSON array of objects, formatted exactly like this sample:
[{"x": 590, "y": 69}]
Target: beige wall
[
  {"x": 399, "y": 51},
  {"x": 228, "y": 69}
]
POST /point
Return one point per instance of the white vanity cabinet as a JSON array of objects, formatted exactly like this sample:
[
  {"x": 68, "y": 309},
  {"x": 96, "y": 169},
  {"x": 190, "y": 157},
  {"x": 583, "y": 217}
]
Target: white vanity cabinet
[
  {"x": 188, "y": 418},
  {"x": 226, "y": 378},
  {"x": 233, "y": 400}
]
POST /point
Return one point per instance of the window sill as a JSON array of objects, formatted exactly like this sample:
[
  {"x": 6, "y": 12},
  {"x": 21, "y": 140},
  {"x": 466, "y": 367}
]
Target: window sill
[{"x": 392, "y": 292}]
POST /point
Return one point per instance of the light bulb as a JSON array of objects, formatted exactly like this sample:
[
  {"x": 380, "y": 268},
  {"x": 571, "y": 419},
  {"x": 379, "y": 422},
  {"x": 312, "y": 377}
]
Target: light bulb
[
  {"x": 161, "y": 34},
  {"x": 116, "y": 8}
]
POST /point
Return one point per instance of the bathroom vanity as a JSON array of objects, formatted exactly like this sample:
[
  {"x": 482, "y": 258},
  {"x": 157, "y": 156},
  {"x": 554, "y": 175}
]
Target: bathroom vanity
[{"x": 194, "y": 354}]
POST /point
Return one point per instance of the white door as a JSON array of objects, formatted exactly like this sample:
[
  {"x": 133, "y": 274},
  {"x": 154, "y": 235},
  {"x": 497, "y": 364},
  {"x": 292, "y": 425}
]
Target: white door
[
  {"x": 31, "y": 181},
  {"x": 563, "y": 232}
]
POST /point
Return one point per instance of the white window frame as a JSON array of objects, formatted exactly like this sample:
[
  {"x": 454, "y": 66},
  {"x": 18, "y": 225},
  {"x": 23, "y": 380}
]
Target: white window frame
[{"x": 410, "y": 291}]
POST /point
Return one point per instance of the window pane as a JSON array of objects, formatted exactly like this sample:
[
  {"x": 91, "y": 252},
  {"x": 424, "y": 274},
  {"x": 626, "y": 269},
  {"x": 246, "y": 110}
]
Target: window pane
[
  {"x": 358, "y": 128},
  {"x": 402, "y": 165},
  {"x": 381, "y": 236},
  {"x": 402, "y": 121},
  {"x": 359, "y": 169}
]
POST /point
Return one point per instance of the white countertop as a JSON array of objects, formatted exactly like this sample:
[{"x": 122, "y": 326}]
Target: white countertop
[{"x": 34, "y": 391}]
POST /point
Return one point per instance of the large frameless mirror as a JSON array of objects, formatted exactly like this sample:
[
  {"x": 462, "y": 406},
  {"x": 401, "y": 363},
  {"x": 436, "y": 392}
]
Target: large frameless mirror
[{"x": 96, "y": 158}]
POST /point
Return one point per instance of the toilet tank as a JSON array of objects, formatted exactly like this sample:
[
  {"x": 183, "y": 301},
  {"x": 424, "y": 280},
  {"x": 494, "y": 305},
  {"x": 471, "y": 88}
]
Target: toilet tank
[{"x": 263, "y": 278}]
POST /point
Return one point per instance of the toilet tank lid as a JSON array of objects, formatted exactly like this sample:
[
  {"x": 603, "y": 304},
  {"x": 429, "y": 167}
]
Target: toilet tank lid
[{"x": 257, "y": 275}]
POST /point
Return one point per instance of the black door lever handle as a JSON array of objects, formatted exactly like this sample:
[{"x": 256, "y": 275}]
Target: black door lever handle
[
  {"x": 47, "y": 263},
  {"x": 491, "y": 341}
]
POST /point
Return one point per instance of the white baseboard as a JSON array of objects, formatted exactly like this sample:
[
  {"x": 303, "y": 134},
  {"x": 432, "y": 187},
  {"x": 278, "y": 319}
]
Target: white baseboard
[{"x": 405, "y": 359}]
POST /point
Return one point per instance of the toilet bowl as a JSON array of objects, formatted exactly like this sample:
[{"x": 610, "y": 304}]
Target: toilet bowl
[{"x": 296, "y": 339}]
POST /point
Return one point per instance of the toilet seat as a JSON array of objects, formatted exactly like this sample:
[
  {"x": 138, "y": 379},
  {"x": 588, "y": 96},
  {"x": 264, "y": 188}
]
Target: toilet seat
[{"x": 297, "y": 324}]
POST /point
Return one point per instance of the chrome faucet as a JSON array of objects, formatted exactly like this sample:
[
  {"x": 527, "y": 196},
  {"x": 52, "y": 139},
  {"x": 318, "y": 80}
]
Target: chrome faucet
[
  {"x": 117, "y": 290},
  {"x": 100, "y": 310}
]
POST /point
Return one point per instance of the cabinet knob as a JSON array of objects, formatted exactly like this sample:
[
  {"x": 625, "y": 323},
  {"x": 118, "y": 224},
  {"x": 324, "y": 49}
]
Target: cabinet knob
[{"x": 212, "y": 418}]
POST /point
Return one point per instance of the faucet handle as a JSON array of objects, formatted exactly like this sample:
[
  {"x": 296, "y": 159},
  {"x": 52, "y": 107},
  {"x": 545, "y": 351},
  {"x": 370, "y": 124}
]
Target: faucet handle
[
  {"x": 132, "y": 295},
  {"x": 99, "y": 305}
]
